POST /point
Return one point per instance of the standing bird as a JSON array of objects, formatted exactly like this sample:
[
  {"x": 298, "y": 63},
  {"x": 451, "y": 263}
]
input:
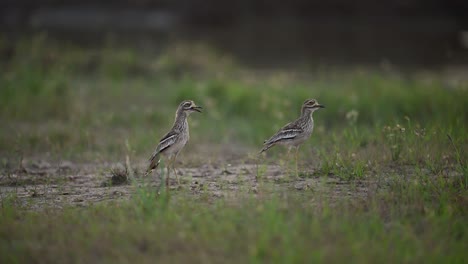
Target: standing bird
[
  {"x": 173, "y": 142},
  {"x": 297, "y": 132}
]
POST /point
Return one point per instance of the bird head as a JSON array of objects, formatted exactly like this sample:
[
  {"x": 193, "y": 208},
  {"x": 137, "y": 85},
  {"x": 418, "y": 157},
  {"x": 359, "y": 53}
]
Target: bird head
[
  {"x": 188, "y": 106},
  {"x": 311, "y": 105}
]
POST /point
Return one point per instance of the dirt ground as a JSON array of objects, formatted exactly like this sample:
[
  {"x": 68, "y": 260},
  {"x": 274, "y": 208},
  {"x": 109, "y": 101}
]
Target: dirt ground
[{"x": 57, "y": 185}]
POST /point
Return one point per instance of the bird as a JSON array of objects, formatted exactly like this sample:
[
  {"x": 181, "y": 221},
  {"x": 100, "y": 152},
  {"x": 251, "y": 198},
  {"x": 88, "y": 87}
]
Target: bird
[
  {"x": 174, "y": 141},
  {"x": 297, "y": 132}
]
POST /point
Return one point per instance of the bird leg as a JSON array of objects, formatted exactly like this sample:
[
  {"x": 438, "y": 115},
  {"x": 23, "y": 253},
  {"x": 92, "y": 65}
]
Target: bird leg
[
  {"x": 297, "y": 151},
  {"x": 289, "y": 152},
  {"x": 169, "y": 165},
  {"x": 288, "y": 159},
  {"x": 175, "y": 171},
  {"x": 177, "y": 175}
]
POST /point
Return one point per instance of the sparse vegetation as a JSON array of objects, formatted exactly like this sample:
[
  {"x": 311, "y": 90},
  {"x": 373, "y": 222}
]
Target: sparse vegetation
[{"x": 380, "y": 179}]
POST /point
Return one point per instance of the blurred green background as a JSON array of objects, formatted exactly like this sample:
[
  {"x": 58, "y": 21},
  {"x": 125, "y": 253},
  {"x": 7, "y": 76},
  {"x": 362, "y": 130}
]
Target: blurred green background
[
  {"x": 87, "y": 80},
  {"x": 78, "y": 102}
]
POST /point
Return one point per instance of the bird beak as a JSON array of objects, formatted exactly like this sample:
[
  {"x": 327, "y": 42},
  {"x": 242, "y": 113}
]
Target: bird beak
[
  {"x": 197, "y": 108},
  {"x": 320, "y": 106}
]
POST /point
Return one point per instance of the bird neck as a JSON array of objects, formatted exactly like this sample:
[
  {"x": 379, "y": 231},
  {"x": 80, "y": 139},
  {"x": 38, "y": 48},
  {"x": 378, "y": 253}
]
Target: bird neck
[
  {"x": 306, "y": 113},
  {"x": 180, "y": 122},
  {"x": 306, "y": 117}
]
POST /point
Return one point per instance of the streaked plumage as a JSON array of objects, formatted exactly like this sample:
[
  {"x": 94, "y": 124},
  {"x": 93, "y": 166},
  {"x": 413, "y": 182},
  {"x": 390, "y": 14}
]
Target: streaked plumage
[
  {"x": 174, "y": 141},
  {"x": 297, "y": 132}
]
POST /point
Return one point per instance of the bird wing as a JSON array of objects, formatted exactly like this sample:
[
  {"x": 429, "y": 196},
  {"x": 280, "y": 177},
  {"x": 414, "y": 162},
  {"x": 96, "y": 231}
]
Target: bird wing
[
  {"x": 168, "y": 140},
  {"x": 289, "y": 131},
  {"x": 284, "y": 135}
]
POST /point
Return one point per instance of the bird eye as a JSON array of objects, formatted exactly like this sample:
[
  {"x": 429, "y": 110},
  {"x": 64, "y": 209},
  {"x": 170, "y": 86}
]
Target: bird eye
[{"x": 187, "y": 104}]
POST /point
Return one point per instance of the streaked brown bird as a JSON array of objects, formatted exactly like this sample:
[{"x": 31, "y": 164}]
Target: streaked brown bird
[
  {"x": 297, "y": 132},
  {"x": 174, "y": 141}
]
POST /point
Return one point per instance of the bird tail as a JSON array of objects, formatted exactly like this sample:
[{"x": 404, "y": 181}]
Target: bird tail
[
  {"x": 265, "y": 148},
  {"x": 154, "y": 163}
]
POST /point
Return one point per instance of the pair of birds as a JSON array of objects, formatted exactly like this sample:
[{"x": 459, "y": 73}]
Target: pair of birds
[{"x": 292, "y": 135}]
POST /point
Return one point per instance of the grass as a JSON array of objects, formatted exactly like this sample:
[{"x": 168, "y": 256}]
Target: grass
[
  {"x": 406, "y": 223},
  {"x": 403, "y": 139}
]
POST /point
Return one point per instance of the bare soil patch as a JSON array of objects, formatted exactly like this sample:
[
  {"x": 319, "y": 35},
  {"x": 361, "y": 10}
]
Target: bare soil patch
[{"x": 46, "y": 185}]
